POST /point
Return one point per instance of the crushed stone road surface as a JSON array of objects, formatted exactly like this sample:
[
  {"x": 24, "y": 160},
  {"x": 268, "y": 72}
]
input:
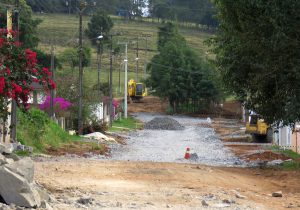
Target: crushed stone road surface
[
  {"x": 82, "y": 183},
  {"x": 170, "y": 145}
]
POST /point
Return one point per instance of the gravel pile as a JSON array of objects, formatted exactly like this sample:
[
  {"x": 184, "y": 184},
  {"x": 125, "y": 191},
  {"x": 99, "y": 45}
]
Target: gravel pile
[{"x": 163, "y": 123}]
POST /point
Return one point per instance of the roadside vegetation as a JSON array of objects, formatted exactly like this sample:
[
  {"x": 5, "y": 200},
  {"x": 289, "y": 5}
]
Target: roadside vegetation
[
  {"x": 249, "y": 46},
  {"x": 126, "y": 124},
  {"x": 295, "y": 158},
  {"x": 180, "y": 75},
  {"x": 37, "y": 130}
]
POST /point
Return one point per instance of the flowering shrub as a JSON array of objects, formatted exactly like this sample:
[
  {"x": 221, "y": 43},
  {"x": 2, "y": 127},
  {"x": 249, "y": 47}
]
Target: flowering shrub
[
  {"x": 60, "y": 104},
  {"x": 18, "y": 70}
]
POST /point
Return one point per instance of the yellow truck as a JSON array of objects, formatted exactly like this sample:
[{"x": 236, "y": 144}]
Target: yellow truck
[
  {"x": 258, "y": 128},
  {"x": 136, "y": 91}
]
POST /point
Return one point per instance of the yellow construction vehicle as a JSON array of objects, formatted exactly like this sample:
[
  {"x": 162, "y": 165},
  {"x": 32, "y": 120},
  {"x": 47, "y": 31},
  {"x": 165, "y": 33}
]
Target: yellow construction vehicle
[
  {"x": 258, "y": 128},
  {"x": 136, "y": 91}
]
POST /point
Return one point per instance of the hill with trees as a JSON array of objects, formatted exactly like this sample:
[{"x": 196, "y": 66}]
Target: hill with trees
[{"x": 194, "y": 11}]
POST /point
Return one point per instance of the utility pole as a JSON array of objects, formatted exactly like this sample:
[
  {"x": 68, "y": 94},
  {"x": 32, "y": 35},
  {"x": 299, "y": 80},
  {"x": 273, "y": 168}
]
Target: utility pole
[
  {"x": 137, "y": 61},
  {"x": 52, "y": 112},
  {"x": 68, "y": 4},
  {"x": 14, "y": 103},
  {"x": 99, "y": 55},
  {"x": 120, "y": 76},
  {"x": 110, "y": 83},
  {"x": 80, "y": 120},
  {"x": 146, "y": 60},
  {"x": 125, "y": 81}
]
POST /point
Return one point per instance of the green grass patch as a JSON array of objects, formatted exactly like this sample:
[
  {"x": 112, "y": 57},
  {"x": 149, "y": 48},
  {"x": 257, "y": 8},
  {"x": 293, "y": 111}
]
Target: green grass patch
[
  {"x": 126, "y": 124},
  {"x": 294, "y": 164},
  {"x": 37, "y": 130},
  {"x": 22, "y": 153},
  {"x": 291, "y": 154},
  {"x": 291, "y": 165}
]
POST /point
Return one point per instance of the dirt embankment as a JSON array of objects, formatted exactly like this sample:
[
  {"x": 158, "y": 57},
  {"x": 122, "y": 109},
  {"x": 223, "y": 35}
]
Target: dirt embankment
[
  {"x": 150, "y": 104},
  {"x": 127, "y": 185}
]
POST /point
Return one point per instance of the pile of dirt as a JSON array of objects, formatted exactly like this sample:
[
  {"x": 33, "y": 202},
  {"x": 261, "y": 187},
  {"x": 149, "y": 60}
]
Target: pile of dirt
[
  {"x": 149, "y": 104},
  {"x": 266, "y": 156},
  {"x": 78, "y": 148},
  {"x": 163, "y": 123}
]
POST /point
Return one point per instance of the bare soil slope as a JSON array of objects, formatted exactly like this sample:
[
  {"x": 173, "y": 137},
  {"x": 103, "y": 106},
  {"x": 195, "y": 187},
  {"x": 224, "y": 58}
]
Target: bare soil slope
[{"x": 150, "y": 104}]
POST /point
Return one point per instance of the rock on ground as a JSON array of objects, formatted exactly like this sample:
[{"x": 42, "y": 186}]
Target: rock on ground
[
  {"x": 17, "y": 185},
  {"x": 277, "y": 194},
  {"x": 16, "y": 189}
]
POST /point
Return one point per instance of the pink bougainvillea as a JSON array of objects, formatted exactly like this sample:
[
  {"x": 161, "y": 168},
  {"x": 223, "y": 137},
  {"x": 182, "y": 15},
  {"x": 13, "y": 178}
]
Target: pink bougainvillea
[{"x": 59, "y": 103}]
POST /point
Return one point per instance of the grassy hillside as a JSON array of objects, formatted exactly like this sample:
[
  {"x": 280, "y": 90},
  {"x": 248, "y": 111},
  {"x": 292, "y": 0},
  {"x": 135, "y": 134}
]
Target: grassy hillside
[{"x": 62, "y": 30}]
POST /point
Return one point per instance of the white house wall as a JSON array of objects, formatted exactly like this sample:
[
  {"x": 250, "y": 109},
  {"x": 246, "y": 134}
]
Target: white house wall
[{"x": 283, "y": 136}]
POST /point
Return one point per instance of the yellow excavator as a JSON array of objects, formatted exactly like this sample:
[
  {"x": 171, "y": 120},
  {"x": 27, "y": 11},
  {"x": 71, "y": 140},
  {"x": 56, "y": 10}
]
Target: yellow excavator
[
  {"x": 136, "y": 91},
  {"x": 258, "y": 128}
]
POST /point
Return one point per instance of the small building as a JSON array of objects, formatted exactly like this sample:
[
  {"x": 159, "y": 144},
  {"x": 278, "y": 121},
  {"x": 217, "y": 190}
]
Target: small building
[
  {"x": 283, "y": 137},
  {"x": 288, "y": 138},
  {"x": 38, "y": 95}
]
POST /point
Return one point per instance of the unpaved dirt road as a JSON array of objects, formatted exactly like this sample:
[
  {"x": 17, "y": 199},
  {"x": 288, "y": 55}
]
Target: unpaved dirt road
[
  {"x": 144, "y": 185},
  {"x": 170, "y": 145},
  {"x": 78, "y": 183}
]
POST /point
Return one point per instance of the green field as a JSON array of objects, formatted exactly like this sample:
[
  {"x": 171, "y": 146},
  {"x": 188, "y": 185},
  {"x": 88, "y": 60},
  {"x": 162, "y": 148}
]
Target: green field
[{"x": 62, "y": 31}]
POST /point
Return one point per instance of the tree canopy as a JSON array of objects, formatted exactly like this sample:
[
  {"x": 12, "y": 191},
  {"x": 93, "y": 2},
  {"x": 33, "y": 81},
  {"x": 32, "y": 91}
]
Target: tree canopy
[
  {"x": 28, "y": 25},
  {"x": 131, "y": 8},
  {"x": 258, "y": 51},
  {"x": 100, "y": 24},
  {"x": 177, "y": 73},
  {"x": 195, "y": 11}
]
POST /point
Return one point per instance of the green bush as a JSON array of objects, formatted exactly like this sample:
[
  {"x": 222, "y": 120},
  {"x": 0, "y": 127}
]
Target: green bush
[{"x": 37, "y": 130}]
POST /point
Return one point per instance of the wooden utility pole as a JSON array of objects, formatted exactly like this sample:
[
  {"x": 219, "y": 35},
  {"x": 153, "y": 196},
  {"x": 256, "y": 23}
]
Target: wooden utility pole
[
  {"x": 80, "y": 109},
  {"x": 99, "y": 56},
  {"x": 70, "y": 5},
  {"x": 15, "y": 27},
  {"x": 137, "y": 61},
  {"x": 52, "y": 112}
]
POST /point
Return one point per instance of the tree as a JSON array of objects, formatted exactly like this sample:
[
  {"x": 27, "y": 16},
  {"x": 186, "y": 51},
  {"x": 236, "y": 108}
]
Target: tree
[
  {"x": 178, "y": 74},
  {"x": 28, "y": 25},
  {"x": 71, "y": 57},
  {"x": 100, "y": 24},
  {"x": 258, "y": 54},
  {"x": 44, "y": 59},
  {"x": 18, "y": 70},
  {"x": 194, "y": 11}
]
